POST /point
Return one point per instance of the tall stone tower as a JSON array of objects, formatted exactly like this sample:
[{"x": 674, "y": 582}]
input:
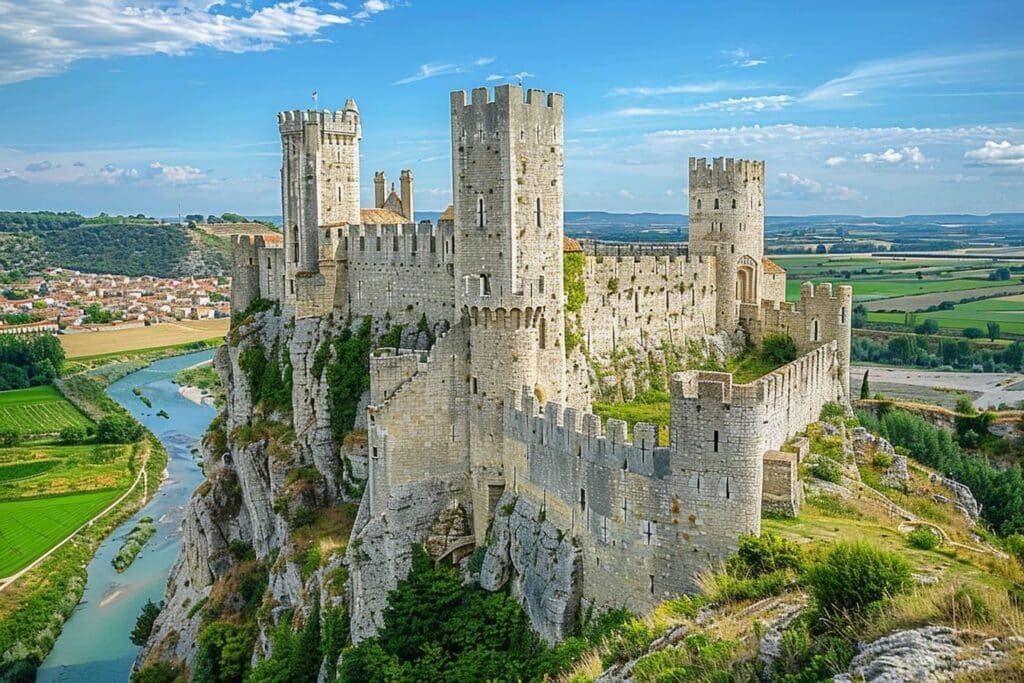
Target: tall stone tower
[
  {"x": 507, "y": 172},
  {"x": 319, "y": 182},
  {"x": 727, "y": 221}
]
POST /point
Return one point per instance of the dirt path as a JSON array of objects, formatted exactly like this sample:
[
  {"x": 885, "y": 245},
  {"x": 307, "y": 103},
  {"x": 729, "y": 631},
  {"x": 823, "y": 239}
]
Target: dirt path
[{"x": 142, "y": 476}]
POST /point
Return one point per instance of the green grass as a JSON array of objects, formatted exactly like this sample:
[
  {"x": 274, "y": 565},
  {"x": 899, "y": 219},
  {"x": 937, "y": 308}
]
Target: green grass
[
  {"x": 38, "y": 410},
  {"x": 883, "y": 288},
  {"x": 655, "y": 410},
  {"x": 28, "y": 528},
  {"x": 1008, "y": 313},
  {"x": 25, "y": 470}
]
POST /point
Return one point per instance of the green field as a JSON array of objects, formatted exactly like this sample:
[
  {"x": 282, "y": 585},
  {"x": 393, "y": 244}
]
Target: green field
[
  {"x": 1007, "y": 311},
  {"x": 38, "y": 410},
  {"x": 882, "y": 288},
  {"x": 28, "y": 528},
  {"x": 69, "y": 469}
]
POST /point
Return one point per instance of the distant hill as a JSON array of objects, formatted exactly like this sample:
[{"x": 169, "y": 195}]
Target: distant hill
[{"x": 126, "y": 245}]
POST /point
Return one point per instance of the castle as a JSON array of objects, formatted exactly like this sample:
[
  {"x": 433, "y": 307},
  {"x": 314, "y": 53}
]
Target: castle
[{"x": 494, "y": 421}]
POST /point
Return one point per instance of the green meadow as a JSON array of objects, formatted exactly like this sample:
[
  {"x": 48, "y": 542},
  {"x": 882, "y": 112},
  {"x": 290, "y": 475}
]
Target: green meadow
[{"x": 38, "y": 410}]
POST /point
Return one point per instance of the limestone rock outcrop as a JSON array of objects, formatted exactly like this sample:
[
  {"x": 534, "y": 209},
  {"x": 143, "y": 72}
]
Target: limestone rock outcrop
[{"x": 542, "y": 564}]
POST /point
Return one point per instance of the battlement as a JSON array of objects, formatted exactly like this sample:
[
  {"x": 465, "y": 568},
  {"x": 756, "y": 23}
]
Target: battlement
[
  {"x": 479, "y": 291},
  {"x": 809, "y": 369},
  {"x": 506, "y": 96},
  {"x": 509, "y": 318},
  {"x": 391, "y": 368},
  {"x": 342, "y": 122},
  {"x": 581, "y": 434},
  {"x": 724, "y": 172}
]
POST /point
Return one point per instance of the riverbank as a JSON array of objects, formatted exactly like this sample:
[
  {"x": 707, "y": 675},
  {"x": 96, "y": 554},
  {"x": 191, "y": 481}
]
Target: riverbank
[
  {"x": 94, "y": 644},
  {"x": 35, "y": 606}
]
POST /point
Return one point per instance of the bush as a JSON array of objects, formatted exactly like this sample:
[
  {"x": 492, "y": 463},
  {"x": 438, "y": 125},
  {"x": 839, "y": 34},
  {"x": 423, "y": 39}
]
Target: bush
[
  {"x": 855, "y": 574},
  {"x": 158, "y": 672},
  {"x": 967, "y": 606},
  {"x": 778, "y": 348},
  {"x": 832, "y": 411},
  {"x": 74, "y": 434},
  {"x": 828, "y": 470},
  {"x": 923, "y": 538},
  {"x": 759, "y": 555},
  {"x": 881, "y": 459},
  {"x": 9, "y": 436}
]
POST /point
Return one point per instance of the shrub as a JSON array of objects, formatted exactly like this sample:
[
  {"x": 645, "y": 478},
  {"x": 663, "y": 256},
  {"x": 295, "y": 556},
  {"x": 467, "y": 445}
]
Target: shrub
[
  {"x": 966, "y": 605},
  {"x": 855, "y": 574},
  {"x": 778, "y": 348},
  {"x": 759, "y": 555},
  {"x": 118, "y": 429},
  {"x": 923, "y": 538},
  {"x": 832, "y": 411},
  {"x": 73, "y": 434},
  {"x": 158, "y": 672},
  {"x": 881, "y": 459},
  {"x": 828, "y": 470}
]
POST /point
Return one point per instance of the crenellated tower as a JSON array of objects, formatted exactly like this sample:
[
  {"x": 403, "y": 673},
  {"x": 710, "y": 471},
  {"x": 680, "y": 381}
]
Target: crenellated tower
[
  {"x": 727, "y": 221},
  {"x": 507, "y": 171},
  {"x": 319, "y": 183}
]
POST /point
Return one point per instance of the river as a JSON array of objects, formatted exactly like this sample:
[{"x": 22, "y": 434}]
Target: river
[{"x": 94, "y": 644}]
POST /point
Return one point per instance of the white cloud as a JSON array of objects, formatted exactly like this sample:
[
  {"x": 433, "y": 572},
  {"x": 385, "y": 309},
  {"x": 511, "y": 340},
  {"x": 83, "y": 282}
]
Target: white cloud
[
  {"x": 174, "y": 174},
  {"x": 111, "y": 173},
  {"x": 913, "y": 71},
  {"x": 997, "y": 154},
  {"x": 906, "y": 155},
  {"x": 519, "y": 77},
  {"x": 747, "y": 104},
  {"x": 742, "y": 58},
  {"x": 832, "y": 162},
  {"x": 371, "y": 7},
  {"x": 733, "y": 105},
  {"x": 798, "y": 187},
  {"x": 6, "y": 173},
  {"x": 44, "y": 37},
  {"x": 433, "y": 70},
  {"x": 682, "y": 89}
]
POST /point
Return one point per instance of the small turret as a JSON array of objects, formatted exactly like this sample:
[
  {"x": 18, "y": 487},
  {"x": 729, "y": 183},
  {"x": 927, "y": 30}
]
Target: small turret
[
  {"x": 406, "y": 182},
  {"x": 379, "y": 182}
]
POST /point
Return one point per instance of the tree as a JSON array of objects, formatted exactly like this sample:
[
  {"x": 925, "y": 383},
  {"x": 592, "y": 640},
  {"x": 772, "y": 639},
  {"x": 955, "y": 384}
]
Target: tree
[
  {"x": 821, "y": 249},
  {"x": 9, "y": 436},
  {"x": 865, "y": 390},
  {"x": 73, "y": 434},
  {"x": 999, "y": 274},
  {"x": 972, "y": 333},
  {"x": 929, "y": 326},
  {"x": 144, "y": 622},
  {"x": 993, "y": 330},
  {"x": 860, "y": 316},
  {"x": 118, "y": 429}
]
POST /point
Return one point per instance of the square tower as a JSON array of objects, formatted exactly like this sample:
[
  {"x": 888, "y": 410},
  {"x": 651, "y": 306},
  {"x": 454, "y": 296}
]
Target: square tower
[
  {"x": 319, "y": 182},
  {"x": 727, "y": 221}
]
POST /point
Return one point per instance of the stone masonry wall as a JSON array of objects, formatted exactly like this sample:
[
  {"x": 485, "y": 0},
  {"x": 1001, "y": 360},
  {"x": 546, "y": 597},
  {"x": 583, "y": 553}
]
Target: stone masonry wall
[{"x": 646, "y": 300}]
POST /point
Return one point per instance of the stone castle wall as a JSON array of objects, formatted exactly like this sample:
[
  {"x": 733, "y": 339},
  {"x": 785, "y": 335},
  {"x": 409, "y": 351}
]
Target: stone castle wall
[
  {"x": 642, "y": 301},
  {"x": 650, "y": 517}
]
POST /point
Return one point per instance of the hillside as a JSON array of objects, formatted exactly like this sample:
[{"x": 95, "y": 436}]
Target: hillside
[{"x": 124, "y": 245}]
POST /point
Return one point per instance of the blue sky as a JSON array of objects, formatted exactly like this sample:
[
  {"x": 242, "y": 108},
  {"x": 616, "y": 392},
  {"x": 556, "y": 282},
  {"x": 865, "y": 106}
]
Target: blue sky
[{"x": 872, "y": 108}]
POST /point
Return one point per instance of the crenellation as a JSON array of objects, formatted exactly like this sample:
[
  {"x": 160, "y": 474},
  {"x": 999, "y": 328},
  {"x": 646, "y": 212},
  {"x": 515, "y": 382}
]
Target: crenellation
[{"x": 499, "y": 404}]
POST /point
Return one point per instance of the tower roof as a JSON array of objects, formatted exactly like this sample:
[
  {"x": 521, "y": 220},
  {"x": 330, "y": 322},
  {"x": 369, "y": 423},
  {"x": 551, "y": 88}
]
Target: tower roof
[
  {"x": 771, "y": 267},
  {"x": 570, "y": 246}
]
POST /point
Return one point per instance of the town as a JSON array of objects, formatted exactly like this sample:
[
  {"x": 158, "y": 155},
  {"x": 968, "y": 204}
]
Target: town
[{"x": 68, "y": 301}]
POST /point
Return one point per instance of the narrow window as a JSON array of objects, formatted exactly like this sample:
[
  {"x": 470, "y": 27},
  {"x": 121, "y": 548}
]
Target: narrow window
[
  {"x": 250, "y": 260},
  {"x": 734, "y": 203},
  {"x": 394, "y": 243},
  {"x": 291, "y": 286},
  {"x": 268, "y": 263},
  {"x": 698, "y": 205},
  {"x": 542, "y": 334},
  {"x": 327, "y": 235},
  {"x": 378, "y": 242},
  {"x": 414, "y": 244},
  {"x": 842, "y": 314},
  {"x": 728, "y": 493},
  {"x": 815, "y": 337},
  {"x": 652, "y": 583},
  {"x": 346, "y": 242},
  {"x": 716, "y": 202},
  {"x": 485, "y": 285},
  {"x": 433, "y": 244},
  {"x": 583, "y": 499},
  {"x": 374, "y": 451},
  {"x": 480, "y": 212},
  {"x": 474, "y": 383},
  {"x": 636, "y": 301},
  {"x": 716, "y": 440},
  {"x": 538, "y": 212},
  {"x": 362, "y": 243},
  {"x": 540, "y": 284}
]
